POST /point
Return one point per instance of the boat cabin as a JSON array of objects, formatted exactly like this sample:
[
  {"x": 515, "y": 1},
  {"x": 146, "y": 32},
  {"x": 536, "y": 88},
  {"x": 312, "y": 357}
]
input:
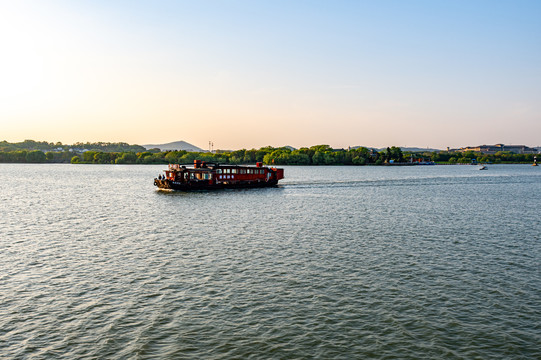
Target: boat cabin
[{"x": 209, "y": 174}]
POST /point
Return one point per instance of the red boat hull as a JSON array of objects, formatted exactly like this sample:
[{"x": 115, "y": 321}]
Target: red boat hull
[{"x": 192, "y": 186}]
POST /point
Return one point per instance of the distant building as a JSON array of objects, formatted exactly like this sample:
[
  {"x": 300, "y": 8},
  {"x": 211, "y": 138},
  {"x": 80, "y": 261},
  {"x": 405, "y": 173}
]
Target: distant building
[
  {"x": 77, "y": 150},
  {"x": 492, "y": 149},
  {"x": 56, "y": 150}
]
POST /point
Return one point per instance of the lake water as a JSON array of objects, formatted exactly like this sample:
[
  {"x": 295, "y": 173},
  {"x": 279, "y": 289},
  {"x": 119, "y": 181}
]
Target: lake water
[{"x": 425, "y": 262}]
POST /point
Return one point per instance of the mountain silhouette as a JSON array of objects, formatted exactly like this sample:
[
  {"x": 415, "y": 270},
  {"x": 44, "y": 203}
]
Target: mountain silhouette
[{"x": 176, "y": 145}]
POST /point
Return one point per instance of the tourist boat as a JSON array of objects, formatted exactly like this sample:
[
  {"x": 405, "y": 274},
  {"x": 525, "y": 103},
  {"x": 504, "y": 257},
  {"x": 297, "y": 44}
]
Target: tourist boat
[
  {"x": 482, "y": 167},
  {"x": 208, "y": 176}
]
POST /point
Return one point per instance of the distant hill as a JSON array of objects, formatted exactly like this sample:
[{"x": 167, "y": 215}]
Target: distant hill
[
  {"x": 176, "y": 145},
  {"x": 416, "y": 149}
]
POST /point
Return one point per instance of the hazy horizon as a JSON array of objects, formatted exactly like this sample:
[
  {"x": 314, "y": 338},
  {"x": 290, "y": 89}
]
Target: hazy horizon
[
  {"x": 250, "y": 74},
  {"x": 206, "y": 148}
]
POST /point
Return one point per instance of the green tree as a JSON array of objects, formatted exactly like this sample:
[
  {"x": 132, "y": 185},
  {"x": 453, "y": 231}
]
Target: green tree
[
  {"x": 35, "y": 156},
  {"x": 102, "y": 158},
  {"x": 172, "y": 157},
  {"x": 318, "y": 158},
  {"x": 359, "y": 160},
  {"x": 126, "y": 158},
  {"x": 321, "y": 148},
  {"x": 395, "y": 153},
  {"x": 88, "y": 156},
  {"x": 330, "y": 158}
]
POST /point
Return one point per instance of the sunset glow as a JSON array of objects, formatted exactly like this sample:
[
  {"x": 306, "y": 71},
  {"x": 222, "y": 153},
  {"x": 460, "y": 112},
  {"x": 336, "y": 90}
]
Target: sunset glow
[{"x": 254, "y": 73}]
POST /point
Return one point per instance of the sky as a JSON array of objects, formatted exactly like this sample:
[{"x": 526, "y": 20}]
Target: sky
[{"x": 252, "y": 73}]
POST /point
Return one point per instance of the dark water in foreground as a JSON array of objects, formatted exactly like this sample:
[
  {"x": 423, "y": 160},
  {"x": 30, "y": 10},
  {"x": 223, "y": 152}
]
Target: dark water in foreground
[{"x": 338, "y": 262}]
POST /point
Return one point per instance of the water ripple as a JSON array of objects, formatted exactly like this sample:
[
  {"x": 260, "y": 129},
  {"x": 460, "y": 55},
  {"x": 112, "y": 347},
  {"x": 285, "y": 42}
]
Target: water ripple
[{"x": 335, "y": 263}]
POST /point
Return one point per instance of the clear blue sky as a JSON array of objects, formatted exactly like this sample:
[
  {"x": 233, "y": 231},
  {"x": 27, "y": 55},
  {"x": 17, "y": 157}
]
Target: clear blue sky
[{"x": 256, "y": 73}]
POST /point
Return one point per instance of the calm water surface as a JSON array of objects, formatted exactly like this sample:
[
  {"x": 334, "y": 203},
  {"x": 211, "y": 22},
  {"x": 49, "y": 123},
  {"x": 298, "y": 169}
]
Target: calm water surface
[{"x": 337, "y": 263}]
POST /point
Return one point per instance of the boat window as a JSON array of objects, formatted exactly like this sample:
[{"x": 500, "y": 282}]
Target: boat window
[
  {"x": 219, "y": 171},
  {"x": 233, "y": 171}
]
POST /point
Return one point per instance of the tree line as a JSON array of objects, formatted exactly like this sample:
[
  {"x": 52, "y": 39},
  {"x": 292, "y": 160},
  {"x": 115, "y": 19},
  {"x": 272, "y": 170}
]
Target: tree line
[
  {"x": 501, "y": 157},
  {"x": 44, "y": 146},
  {"x": 35, "y": 156},
  {"x": 314, "y": 155}
]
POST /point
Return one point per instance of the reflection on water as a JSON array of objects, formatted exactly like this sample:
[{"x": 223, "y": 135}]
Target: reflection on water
[{"x": 336, "y": 262}]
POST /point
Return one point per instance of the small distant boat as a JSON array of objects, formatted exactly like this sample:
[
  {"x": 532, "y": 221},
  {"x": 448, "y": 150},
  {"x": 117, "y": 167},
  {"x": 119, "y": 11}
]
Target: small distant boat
[
  {"x": 482, "y": 167},
  {"x": 534, "y": 161}
]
